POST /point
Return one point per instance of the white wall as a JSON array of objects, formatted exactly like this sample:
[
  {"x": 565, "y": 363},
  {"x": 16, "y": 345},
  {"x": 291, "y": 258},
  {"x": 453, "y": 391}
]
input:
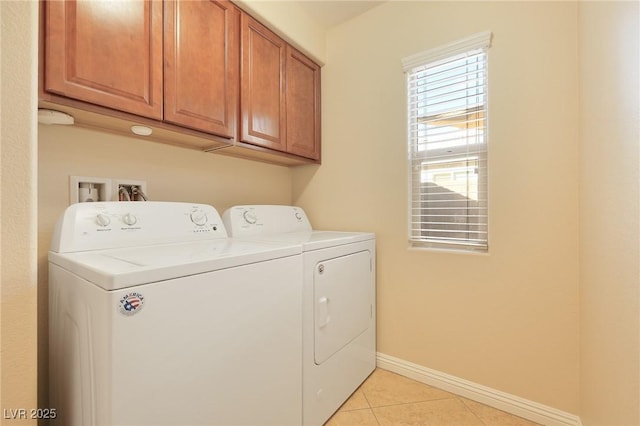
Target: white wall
[
  {"x": 509, "y": 319},
  {"x": 610, "y": 213}
]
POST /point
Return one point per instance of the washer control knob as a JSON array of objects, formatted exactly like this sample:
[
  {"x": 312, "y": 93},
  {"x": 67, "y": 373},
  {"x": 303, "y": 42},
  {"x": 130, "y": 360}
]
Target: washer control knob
[
  {"x": 250, "y": 216},
  {"x": 199, "y": 217},
  {"x": 103, "y": 220},
  {"x": 129, "y": 219},
  {"x": 298, "y": 215}
]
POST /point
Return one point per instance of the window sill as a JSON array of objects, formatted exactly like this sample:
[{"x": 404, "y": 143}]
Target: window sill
[{"x": 448, "y": 250}]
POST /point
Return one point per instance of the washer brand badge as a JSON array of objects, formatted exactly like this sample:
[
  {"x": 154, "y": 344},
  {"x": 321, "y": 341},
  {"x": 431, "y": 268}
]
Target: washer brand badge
[{"x": 131, "y": 303}]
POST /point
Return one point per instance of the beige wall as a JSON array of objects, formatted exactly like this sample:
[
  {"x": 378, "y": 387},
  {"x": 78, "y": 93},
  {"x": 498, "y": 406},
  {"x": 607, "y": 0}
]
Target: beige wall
[
  {"x": 610, "y": 213},
  {"x": 290, "y": 21},
  {"x": 509, "y": 319},
  {"x": 172, "y": 174},
  {"x": 18, "y": 290}
]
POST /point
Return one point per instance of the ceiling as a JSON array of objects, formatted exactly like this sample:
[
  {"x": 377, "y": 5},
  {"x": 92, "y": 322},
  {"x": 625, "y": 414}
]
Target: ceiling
[{"x": 330, "y": 13}]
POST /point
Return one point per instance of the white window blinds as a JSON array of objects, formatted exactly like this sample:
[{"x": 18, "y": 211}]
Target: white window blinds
[{"x": 447, "y": 141}]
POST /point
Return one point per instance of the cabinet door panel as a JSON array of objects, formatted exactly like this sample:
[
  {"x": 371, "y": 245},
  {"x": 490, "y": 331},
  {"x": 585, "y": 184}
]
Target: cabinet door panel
[
  {"x": 106, "y": 52},
  {"x": 303, "y": 105},
  {"x": 201, "y": 65},
  {"x": 262, "y": 82}
]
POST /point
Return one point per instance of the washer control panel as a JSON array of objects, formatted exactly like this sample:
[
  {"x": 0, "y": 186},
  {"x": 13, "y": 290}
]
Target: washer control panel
[
  {"x": 93, "y": 226},
  {"x": 255, "y": 220}
]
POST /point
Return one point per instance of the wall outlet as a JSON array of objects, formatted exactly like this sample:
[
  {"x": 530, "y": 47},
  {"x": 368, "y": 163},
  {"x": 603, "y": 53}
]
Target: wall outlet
[
  {"x": 83, "y": 189},
  {"x": 130, "y": 190}
]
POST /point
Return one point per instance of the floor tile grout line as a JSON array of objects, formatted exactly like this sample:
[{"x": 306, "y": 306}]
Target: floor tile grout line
[
  {"x": 464, "y": 401},
  {"x": 412, "y": 402},
  {"x": 374, "y": 416},
  {"x": 472, "y": 412},
  {"x": 364, "y": 395}
]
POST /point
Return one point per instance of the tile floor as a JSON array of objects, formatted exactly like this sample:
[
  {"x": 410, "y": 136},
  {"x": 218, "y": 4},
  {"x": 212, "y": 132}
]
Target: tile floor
[{"x": 386, "y": 398}]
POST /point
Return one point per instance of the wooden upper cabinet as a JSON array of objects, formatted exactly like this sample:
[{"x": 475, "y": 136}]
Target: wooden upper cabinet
[
  {"x": 107, "y": 53},
  {"x": 303, "y": 105},
  {"x": 201, "y": 60},
  {"x": 202, "y": 67},
  {"x": 280, "y": 93},
  {"x": 262, "y": 99}
]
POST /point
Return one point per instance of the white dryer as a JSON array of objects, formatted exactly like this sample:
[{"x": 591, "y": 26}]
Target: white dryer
[
  {"x": 158, "y": 318},
  {"x": 339, "y": 320}
]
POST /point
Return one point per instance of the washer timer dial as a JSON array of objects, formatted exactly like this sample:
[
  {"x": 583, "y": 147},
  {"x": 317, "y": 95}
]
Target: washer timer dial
[
  {"x": 250, "y": 217},
  {"x": 199, "y": 217}
]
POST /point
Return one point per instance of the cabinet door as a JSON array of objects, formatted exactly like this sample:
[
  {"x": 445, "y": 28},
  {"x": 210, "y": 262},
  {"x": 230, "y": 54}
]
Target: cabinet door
[
  {"x": 303, "y": 105},
  {"x": 201, "y": 59},
  {"x": 262, "y": 97},
  {"x": 106, "y": 52}
]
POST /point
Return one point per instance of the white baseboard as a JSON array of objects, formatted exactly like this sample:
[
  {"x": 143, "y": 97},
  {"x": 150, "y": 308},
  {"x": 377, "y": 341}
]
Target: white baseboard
[{"x": 502, "y": 401}]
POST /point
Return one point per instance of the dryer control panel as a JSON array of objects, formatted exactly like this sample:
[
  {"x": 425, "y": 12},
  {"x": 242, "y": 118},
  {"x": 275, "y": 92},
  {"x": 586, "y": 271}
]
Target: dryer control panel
[
  {"x": 95, "y": 226},
  {"x": 254, "y": 220}
]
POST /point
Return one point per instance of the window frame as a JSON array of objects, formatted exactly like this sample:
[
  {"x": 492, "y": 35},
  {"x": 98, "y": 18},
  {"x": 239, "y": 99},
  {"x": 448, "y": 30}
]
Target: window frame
[{"x": 416, "y": 158}]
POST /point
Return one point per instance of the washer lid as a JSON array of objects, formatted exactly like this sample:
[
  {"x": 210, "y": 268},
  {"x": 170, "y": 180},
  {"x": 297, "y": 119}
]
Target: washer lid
[
  {"x": 120, "y": 268},
  {"x": 316, "y": 240}
]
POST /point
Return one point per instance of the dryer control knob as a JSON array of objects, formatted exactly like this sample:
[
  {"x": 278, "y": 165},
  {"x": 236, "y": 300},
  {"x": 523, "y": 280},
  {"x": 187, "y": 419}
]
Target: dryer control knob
[
  {"x": 103, "y": 220},
  {"x": 250, "y": 217},
  {"x": 129, "y": 219},
  {"x": 199, "y": 217}
]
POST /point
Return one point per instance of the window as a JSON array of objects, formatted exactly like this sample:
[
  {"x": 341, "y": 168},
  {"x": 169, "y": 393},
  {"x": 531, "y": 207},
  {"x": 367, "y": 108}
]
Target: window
[{"x": 447, "y": 141}]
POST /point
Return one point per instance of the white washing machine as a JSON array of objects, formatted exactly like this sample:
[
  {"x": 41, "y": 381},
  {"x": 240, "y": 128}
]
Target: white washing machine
[
  {"x": 158, "y": 318},
  {"x": 339, "y": 321}
]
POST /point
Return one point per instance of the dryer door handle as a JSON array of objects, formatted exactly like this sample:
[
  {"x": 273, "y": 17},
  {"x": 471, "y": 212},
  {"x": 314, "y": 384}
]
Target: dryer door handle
[{"x": 323, "y": 312}]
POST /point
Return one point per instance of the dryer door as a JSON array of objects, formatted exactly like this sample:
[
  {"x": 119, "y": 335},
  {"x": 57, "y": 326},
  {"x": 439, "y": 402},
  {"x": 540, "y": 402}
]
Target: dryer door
[{"x": 343, "y": 302}]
